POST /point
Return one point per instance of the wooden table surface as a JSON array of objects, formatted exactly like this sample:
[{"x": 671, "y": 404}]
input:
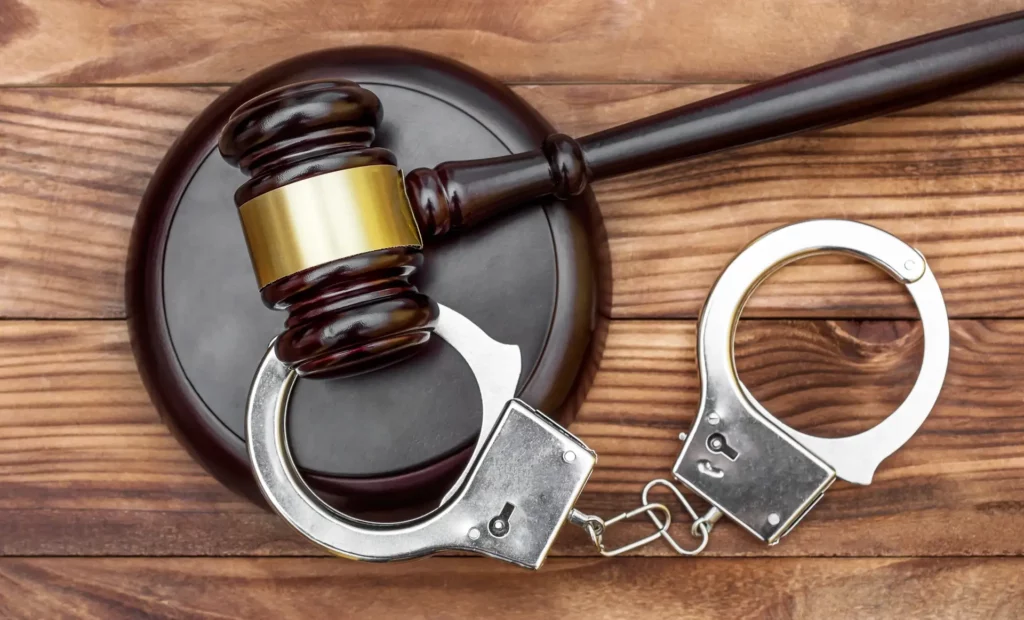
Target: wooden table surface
[{"x": 104, "y": 515}]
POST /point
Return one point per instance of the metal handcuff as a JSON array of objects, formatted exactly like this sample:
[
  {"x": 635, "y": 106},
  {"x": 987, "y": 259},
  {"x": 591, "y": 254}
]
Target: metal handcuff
[{"x": 527, "y": 472}]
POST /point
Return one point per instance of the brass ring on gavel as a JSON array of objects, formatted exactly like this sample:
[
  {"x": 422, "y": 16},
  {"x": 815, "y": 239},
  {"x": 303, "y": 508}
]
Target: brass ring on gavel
[{"x": 327, "y": 217}]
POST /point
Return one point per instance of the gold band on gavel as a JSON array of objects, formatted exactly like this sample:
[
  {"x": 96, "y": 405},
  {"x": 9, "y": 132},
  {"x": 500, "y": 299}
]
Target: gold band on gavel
[{"x": 327, "y": 217}]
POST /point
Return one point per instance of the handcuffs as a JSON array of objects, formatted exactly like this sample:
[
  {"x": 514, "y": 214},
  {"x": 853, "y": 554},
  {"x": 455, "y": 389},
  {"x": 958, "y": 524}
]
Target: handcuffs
[{"x": 527, "y": 472}]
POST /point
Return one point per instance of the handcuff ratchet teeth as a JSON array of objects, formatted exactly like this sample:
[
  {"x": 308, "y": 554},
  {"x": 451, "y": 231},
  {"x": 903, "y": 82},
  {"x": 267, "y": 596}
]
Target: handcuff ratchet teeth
[{"x": 527, "y": 472}]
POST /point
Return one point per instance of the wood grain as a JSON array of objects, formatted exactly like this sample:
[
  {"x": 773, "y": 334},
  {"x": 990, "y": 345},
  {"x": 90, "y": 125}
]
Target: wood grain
[
  {"x": 945, "y": 178},
  {"x": 449, "y": 588},
  {"x": 191, "y": 41},
  {"x": 73, "y": 166},
  {"x": 86, "y": 468}
]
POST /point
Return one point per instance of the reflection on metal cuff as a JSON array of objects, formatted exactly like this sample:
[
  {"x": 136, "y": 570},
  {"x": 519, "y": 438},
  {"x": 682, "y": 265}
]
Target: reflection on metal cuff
[
  {"x": 511, "y": 501},
  {"x": 747, "y": 463},
  {"x": 327, "y": 217}
]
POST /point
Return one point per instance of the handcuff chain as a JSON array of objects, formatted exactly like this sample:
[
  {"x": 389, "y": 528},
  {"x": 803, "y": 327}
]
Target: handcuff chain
[
  {"x": 596, "y": 527},
  {"x": 700, "y": 527}
]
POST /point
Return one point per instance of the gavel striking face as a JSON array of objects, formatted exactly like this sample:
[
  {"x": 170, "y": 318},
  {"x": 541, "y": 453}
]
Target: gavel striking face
[{"x": 335, "y": 233}]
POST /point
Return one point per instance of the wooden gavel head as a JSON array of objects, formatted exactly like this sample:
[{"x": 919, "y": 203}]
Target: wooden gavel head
[{"x": 332, "y": 237}]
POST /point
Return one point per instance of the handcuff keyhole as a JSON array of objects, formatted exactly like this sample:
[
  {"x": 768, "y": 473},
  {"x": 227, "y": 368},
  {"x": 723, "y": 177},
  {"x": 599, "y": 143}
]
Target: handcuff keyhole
[
  {"x": 499, "y": 525},
  {"x": 718, "y": 444}
]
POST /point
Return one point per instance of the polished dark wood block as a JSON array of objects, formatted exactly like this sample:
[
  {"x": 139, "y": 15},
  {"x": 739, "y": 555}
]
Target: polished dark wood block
[{"x": 399, "y": 434}]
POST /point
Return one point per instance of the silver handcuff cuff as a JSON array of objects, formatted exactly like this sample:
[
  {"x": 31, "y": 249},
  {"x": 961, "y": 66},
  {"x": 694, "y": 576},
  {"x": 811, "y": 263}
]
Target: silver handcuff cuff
[{"x": 527, "y": 472}]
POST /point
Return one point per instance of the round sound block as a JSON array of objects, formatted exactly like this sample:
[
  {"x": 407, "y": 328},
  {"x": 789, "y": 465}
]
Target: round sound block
[{"x": 402, "y": 433}]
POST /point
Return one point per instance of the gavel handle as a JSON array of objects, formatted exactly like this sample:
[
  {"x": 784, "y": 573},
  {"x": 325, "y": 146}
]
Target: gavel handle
[{"x": 901, "y": 75}]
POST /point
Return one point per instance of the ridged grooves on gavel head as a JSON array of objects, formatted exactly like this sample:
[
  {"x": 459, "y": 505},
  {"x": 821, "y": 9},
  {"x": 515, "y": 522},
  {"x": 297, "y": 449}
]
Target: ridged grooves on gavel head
[
  {"x": 349, "y": 315},
  {"x": 302, "y": 130}
]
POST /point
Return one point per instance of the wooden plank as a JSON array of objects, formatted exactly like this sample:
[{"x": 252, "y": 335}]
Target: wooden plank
[
  {"x": 86, "y": 468},
  {"x": 945, "y": 177},
  {"x": 443, "y": 588},
  {"x": 73, "y": 166},
  {"x": 84, "y": 456},
  {"x": 69, "y": 42}
]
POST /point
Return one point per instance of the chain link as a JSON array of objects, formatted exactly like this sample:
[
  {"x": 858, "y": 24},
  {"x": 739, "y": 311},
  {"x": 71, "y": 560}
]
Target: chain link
[
  {"x": 596, "y": 527},
  {"x": 700, "y": 528}
]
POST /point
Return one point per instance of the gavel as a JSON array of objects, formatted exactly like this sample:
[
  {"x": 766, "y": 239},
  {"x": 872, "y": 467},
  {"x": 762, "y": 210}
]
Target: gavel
[{"x": 335, "y": 233}]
